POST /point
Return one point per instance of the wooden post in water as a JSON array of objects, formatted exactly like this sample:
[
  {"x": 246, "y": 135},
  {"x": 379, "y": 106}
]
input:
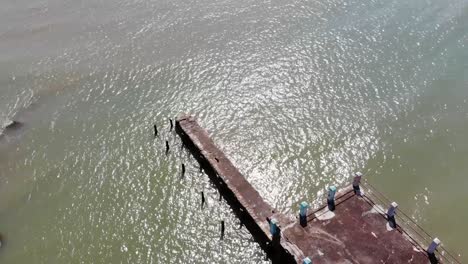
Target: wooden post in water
[
  {"x": 202, "y": 199},
  {"x": 155, "y": 131},
  {"x": 222, "y": 229},
  {"x": 172, "y": 124}
]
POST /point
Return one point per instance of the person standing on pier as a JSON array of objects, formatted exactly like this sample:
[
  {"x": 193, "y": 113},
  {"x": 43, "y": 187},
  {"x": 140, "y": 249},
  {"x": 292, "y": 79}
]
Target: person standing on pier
[{"x": 356, "y": 183}]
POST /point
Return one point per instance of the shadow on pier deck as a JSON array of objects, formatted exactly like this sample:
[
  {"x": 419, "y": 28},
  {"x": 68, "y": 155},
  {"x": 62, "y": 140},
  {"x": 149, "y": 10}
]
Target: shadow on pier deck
[{"x": 355, "y": 232}]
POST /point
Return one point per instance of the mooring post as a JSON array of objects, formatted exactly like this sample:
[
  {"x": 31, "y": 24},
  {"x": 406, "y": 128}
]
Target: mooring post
[
  {"x": 274, "y": 227},
  {"x": 391, "y": 214},
  {"x": 356, "y": 183},
  {"x": 431, "y": 251},
  {"x": 307, "y": 260},
  {"x": 303, "y": 213},
  {"x": 331, "y": 198}
]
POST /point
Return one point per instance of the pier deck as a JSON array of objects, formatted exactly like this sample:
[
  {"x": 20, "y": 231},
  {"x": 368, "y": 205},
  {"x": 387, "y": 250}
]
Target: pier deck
[{"x": 356, "y": 232}]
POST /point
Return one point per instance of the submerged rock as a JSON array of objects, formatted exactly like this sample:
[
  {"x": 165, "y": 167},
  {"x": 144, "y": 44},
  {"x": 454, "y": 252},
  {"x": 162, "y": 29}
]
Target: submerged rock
[
  {"x": 10, "y": 128},
  {"x": 12, "y": 124}
]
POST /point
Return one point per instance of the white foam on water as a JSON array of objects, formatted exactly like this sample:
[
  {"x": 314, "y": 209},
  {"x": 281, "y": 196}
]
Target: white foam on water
[{"x": 8, "y": 122}]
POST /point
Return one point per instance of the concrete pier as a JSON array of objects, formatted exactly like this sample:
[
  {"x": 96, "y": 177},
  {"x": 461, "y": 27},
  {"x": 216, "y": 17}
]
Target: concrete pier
[{"x": 355, "y": 232}]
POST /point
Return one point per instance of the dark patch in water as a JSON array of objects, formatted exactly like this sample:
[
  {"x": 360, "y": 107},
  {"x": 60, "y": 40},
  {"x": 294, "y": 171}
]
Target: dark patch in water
[
  {"x": 13, "y": 125},
  {"x": 11, "y": 131}
]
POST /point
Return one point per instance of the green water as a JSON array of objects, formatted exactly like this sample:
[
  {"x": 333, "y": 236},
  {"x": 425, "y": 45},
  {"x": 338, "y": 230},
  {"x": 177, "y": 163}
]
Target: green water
[{"x": 300, "y": 94}]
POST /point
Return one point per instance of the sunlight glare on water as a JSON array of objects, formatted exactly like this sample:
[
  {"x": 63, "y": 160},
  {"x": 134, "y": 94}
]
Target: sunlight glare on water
[{"x": 299, "y": 94}]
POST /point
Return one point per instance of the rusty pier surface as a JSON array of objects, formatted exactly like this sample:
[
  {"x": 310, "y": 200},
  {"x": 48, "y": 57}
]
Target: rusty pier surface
[{"x": 355, "y": 232}]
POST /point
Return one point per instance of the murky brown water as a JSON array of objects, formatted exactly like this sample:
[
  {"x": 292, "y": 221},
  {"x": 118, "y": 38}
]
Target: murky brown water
[{"x": 300, "y": 94}]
